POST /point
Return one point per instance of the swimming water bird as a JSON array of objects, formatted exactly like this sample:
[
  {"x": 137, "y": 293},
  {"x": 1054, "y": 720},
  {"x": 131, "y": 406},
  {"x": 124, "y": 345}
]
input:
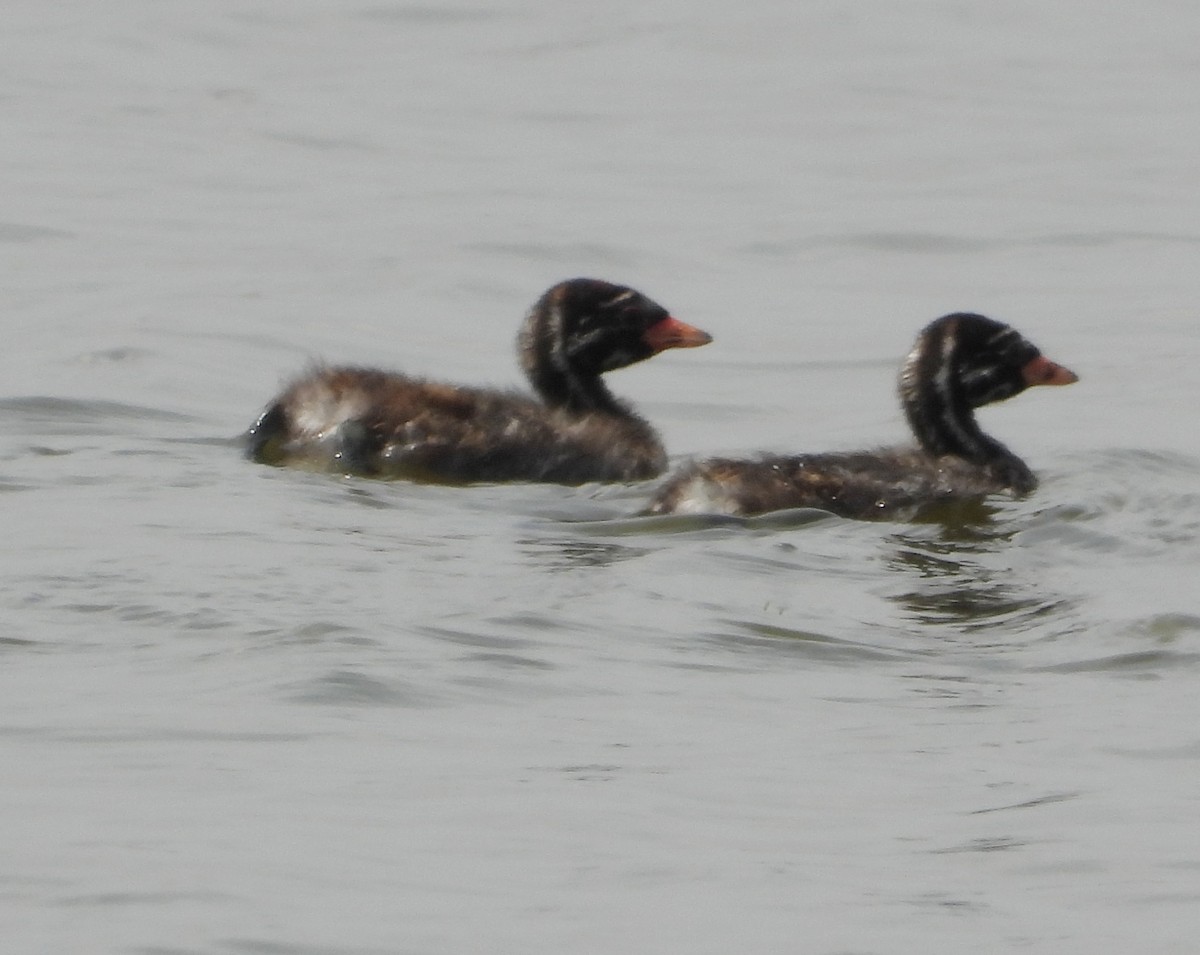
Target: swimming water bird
[
  {"x": 382, "y": 424},
  {"x": 960, "y": 362}
]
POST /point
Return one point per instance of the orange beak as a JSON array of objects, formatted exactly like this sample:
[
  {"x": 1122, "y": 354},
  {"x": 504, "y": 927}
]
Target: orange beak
[
  {"x": 672, "y": 333},
  {"x": 1042, "y": 371}
]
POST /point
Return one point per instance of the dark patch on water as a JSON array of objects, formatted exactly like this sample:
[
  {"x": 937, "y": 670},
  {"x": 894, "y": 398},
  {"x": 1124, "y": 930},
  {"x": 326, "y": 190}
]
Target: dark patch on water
[
  {"x": 350, "y": 688},
  {"x": 1045, "y": 800},
  {"x": 19, "y": 232}
]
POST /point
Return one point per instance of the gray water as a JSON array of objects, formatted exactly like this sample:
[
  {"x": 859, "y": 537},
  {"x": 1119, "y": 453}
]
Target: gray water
[{"x": 247, "y": 710}]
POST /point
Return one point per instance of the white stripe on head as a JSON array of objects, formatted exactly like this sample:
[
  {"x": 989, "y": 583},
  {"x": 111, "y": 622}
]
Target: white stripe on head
[
  {"x": 556, "y": 332},
  {"x": 619, "y": 298},
  {"x": 941, "y": 378},
  {"x": 1005, "y": 331},
  {"x": 942, "y": 383}
]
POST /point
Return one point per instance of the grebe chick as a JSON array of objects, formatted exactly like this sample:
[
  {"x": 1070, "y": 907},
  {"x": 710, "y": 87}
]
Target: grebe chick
[
  {"x": 388, "y": 425},
  {"x": 960, "y": 362}
]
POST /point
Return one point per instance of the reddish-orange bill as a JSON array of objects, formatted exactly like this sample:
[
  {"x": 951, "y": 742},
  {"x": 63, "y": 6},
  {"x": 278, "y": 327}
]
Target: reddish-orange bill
[
  {"x": 1042, "y": 371},
  {"x": 672, "y": 333}
]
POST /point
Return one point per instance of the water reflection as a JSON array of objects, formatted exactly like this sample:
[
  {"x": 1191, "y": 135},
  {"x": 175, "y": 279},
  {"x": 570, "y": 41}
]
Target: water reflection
[
  {"x": 961, "y": 576},
  {"x": 754, "y": 636},
  {"x": 965, "y": 521},
  {"x": 566, "y": 553}
]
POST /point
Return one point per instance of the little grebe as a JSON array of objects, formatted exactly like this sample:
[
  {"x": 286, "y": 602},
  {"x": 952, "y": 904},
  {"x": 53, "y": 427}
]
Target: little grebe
[
  {"x": 383, "y": 424},
  {"x": 960, "y": 362}
]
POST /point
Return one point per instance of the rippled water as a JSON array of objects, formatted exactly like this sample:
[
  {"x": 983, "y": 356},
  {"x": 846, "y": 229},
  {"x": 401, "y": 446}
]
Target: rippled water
[{"x": 250, "y": 710}]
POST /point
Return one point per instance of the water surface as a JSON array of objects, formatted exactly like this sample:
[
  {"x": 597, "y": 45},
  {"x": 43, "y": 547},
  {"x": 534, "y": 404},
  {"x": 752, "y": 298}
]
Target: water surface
[{"x": 248, "y": 710}]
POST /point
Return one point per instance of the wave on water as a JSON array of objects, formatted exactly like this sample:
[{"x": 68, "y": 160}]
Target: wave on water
[
  {"x": 44, "y": 415},
  {"x": 1093, "y": 573}
]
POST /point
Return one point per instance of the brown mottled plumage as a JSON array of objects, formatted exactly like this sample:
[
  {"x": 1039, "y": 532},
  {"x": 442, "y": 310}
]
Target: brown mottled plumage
[
  {"x": 959, "y": 363},
  {"x": 383, "y": 424}
]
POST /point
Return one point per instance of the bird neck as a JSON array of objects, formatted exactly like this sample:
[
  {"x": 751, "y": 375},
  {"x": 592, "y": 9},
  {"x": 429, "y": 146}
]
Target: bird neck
[
  {"x": 548, "y": 365},
  {"x": 570, "y": 391},
  {"x": 944, "y": 423}
]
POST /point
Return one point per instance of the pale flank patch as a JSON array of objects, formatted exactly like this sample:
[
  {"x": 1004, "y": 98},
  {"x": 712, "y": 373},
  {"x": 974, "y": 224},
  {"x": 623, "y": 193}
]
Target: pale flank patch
[{"x": 325, "y": 410}]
